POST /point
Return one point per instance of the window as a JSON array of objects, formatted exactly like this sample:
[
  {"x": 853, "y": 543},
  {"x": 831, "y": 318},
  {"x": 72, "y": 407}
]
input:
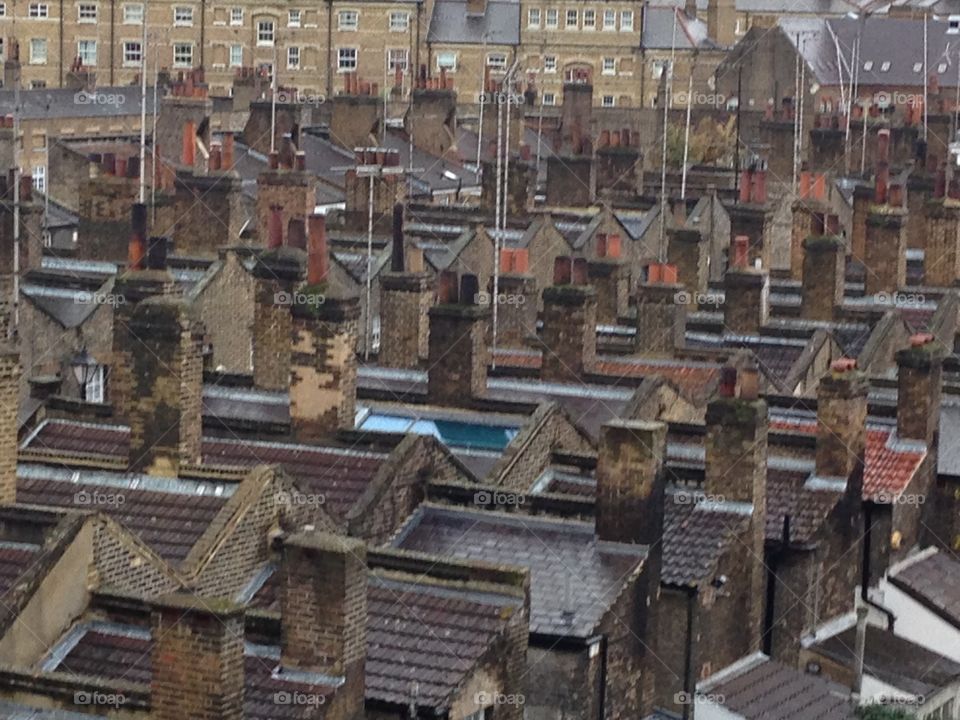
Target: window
[
  {"x": 133, "y": 14},
  {"x": 738, "y": 28},
  {"x": 293, "y": 18},
  {"x": 868, "y": 65},
  {"x": 293, "y": 58},
  {"x": 265, "y": 31},
  {"x": 953, "y": 25},
  {"x": 885, "y": 66},
  {"x": 3, "y": 9},
  {"x": 399, "y": 21},
  {"x": 497, "y": 61},
  {"x": 236, "y": 16},
  {"x": 942, "y": 67},
  {"x": 38, "y": 51},
  {"x": 658, "y": 67},
  {"x": 87, "y": 52},
  {"x": 236, "y": 55},
  {"x": 39, "y": 10},
  {"x": 397, "y": 58},
  {"x": 549, "y": 99},
  {"x": 40, "y": 178},
  {"x": 183, "y": 55},
  {"x": 589, "y": 19},
  {"x": 553, "y": 18},
  {"x": 132, "y": 53},
  {"x": 608, "y": 101},
  {"x": 93, "y": 392},
  {"x": 183, "y": 16},
  {"x": 38, "y": 84},
  {"x": 918, "y": 67},
  {"x": 626, "y": 21},
  {"x": 549, "y": 63},
  {"x": 533, "y": 18},
  {"x": 609, "y": 66},
  {"x": 447, "y": 60},
  {"x": 87, "y": 13},
  {"x": 572, "y": 17},
  {"x": 609, "y": 19},
  {"x": 346, "y": 59},
  {"x": 349, "y": 20}
]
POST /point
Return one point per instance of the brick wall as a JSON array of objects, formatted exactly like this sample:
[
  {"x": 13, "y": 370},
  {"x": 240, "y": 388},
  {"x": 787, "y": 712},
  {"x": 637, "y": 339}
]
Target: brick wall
[
  {"x": 689, "y": 250},
  {"x": 517, "y": 314},
  {"x": 661, "y": 319},
  {"x": 122, "y": 562},
  {"x": 824, "y": 263},
  {"x": 226, "y": 306},
  {"x": 294, "y": 191},
  {"x": 9, "y": 396},
  {"x": 941, "y": 264},
  {"x": 885, "y": 254},
  {"x": 458, "y": 352},
  {"x": 207, "y": 213},
  {"x": 611, "y": 280},
  {"x": 569, "y": 332},
  {"x": 562, "y": 682},
  {"x": 405, "y": 300},
  {"x": 746, "y": 304}
]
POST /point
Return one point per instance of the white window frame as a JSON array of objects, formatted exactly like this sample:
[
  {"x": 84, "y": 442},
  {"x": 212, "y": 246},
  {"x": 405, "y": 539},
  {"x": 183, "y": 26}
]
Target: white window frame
[
  {"x": 39, "y": 175},
  {"x": 626, "y": 20},
  {"x": 294, "y": 18},
  {"x": 450, "y": 67},
  {"x": 266, "y": 32},
  {"x": 340, "y": 58},
  {"x": 236, "y": 16},
  {"x": 3, "y": 9},
  {"x": 94, "y": 391},
  {"x": 611, "y": 98},
  {"x": 398, "y": 21},
  {"x": 608, "y": 66},
  {"x": 552, "y": 21},
  {"x": 39, "y": 11},
  {"x": 549, "y": 63},
  {"x": 497, "y": 61},
  {"x": 567, "y": 15},
  {"x": 126, "y": 51},
  {"x": 393, "y": 55},
  {"x": 293, "y": 57},
  {"x": 232, "y": 60},
  {"x": 133, "y": 14},
  {"x": 81, "y": 53},
  {"x": 534, "y": 18},
  {"x": 609, "y": 20},
  {"x": 87, "y": 13},
  {"x": 182, "y": 16},
  {"x": 348, "y": 26},
  {"x": 181, "y": 64},
  {"x": 549, "y": 99},
  {"x": 35, "y": 57},
  {"x": 592, "y": 15}
]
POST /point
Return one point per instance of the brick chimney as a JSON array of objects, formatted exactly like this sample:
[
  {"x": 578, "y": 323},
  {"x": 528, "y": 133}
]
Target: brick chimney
[
  {"x": 885, "y": 254},
  {"x": 752, "y": 215},
  {"x": 571, "y": 181},
  {"x": 919, "y": 376},
  {"x": 610, "y": 277},
  {"x": 323, "y": 611},
  {"x": 736, "y": 476},
  {"x": 517, "y": 314},
  {"x": 941, "y": 252},
  {"x": 278, "y": 272},
  {"x": 746, "y": 292},
  {"x": 576, "y": 116},
  {"x": 824, "y": 262},
  {"x": 842, "y": 422},
  {"x": 356, "y": 115},
  {"x": 661, "y": 312},
  {"x": 9, "y": 395},
  {"x": 432, "y": 117},
  {"x": 619, "y": 164},
  {"x": 291, "y": 189},
  {"x": 388, "y": 190},
  {"x": 197, "y": 659},
  {"x": 689, "y": 251},
  {"x": 406, "y": 294},
  {"x": 459, "y": 328},
  {"x": 808, "y": 217},
  {"x": 862, "y": 200},
  {"x": 166, "y": 406},
  {"x": 569, "y": 331}
]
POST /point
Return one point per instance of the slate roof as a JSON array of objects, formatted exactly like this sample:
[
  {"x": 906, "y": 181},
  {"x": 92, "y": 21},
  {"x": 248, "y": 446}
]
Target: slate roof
[
  {"x": 15, "y": 559},
  {"x": 894, "y": 661},
  {"x": 574, "y": 578},
  {"x": 16, "y": 711},
  {"x": 499, "y": 25},
  {"x": 935, "y": 582},
  {"x": 665, "y": 28},
  {"x": 767, "y": 690},
  {"x": 62, "y": 103}
]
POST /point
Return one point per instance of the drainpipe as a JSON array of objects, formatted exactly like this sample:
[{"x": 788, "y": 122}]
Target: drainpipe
[
  {"x": 330, "y": 69},
  {"x": 113, "y": 38},
  {"x": 61, "y": 43},
  {"x": 859, "y": 652},
  {"x": 203, "y": 34},
  {"x": 689, "y": 685}
]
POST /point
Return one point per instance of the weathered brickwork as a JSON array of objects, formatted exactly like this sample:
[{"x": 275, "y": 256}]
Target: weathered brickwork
[
  {"x": 293, "y": 191},
  {"x": 885, "y": 255},
  {"x": 689, "y": 251},
  {"x": 806, "y": 219},
  {"x": 517, "y": 311},
  {"x": 458, "y": 352},
  {"x": 569, "y": 332},
  {"x": 225, "y": 301},
  {"x": 824, "y": 263},
  {"x": 405, "y": 300},
  {"x": 941, "y": 261},
  {"x": 611, "y": 279},
  {"x": 746, "y": 302},
  {"x": 277, "y": 272},
  {"x": 123, "y": 563},
  {"x": 9, "y": 394},
  {"x": 661, "y": 318}
]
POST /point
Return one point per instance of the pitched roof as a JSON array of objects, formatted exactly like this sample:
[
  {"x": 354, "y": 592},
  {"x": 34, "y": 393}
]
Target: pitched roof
[
  {"x": 574, "y": 578},
  {"x": 499, "y": 24},
  {"x": 105, "y": 102},
  {"x": 934, "y": 580}
]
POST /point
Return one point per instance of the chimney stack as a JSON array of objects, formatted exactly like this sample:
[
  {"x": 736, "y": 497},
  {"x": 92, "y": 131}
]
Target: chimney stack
[
  {"x": 317, "y": 255},
  {"x": 824, "y": 263},
  {"x": 609, "y": 275},
  {"x": 688, "y": 250},
  {"x": 166, "y": 405},
  {"x": 9, "y": 396},
  {"x": 808, "y": 217},
  {"x": 137, "y": 250},
  {"x": 736, "y": 478},
  {"x": 197, "y": 659},
  {"x": 941, "y": 266},
  {"x": 323, "y": 612},
  {"x": 746, "y": 292},
  {"x": 569, "y": 332},
  {"x": 919, "y": 380},
  {"x": 278, "y": 272},
  {"x": 661, "y": 312},
  {"x": 457, "y": 342},
  {"x": 517, "y": 318},
  {"x": 842, "y": 423}
]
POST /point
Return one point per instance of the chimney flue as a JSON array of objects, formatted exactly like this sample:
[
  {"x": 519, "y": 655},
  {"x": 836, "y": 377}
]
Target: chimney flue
[
  {"x": 317, "y": 249},
  {"x": 275, "y": 227},
  {"x": 396, "y": 257},
  {"x": 137, "y": 249}
]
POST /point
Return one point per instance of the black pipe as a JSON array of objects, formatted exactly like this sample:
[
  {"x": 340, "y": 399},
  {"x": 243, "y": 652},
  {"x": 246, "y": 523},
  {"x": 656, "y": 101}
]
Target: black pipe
[
  {"x": 867, "y": 534},
  {"x": 688, "y": 685},
  {"x": 602, "y": 700},
  {"x": 113, "y": 36},
  {"x": 396, "y": 258}
]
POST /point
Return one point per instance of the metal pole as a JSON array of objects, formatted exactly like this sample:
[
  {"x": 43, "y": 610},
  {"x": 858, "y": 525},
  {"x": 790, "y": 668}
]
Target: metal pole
[
  {"x": 367, "y": 326},
  {"x": 273, "y": 99},
  {"x": 800, "y": 99},
  {"x": 667, "y": 88},
  {"x": 16, "y": 199},
  {"x": 926, "y": 71},
  {"x": 496, "y": 226},
  {"x": 153, "y": 183},
  {"x": 686, "y": 136},
  {"x": 143, "y": 110},
  {"x": 483, "y": 100}
]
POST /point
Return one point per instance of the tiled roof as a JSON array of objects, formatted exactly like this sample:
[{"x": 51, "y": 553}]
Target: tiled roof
[
  {"x": 935, "y": 581},
  {"x": 807, "y": 509},
  {"x": 15, "y": 559},
  {"x": 574, "y": 578},
  {"x": 768, "y": 690},
  {"x": 890, "y": 462},
  {"x": 170, "y": 523}
]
